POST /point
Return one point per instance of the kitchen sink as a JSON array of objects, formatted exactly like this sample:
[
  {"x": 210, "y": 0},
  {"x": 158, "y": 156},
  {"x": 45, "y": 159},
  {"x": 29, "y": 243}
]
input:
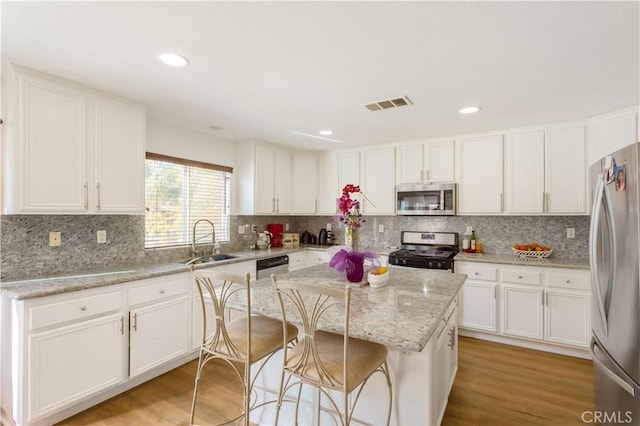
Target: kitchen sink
[{"x": 208, "y": 259}]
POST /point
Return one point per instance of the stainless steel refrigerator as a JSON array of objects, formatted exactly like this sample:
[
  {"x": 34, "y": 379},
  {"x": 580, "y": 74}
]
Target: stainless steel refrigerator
[{"x": 615, "y": 279}]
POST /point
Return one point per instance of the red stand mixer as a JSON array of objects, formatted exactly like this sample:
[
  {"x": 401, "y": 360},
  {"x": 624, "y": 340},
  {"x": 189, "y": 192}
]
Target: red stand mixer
[{"x": 276, "y": 230}]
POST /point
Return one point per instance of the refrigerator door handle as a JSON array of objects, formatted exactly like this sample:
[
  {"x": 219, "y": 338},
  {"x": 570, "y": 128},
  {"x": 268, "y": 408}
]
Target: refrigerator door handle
[
  {"x": 606, "y": 203},
  {"x": 623, "y": 381},
  {"x": 593, "y": 258}
]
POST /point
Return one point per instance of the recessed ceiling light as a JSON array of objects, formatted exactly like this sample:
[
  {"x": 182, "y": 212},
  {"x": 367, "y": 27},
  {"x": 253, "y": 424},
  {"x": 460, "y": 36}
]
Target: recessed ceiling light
[
  {"x": 469, "y": 110},
  {"x": 173, "y": 59},
  {"x": 326, "y": 132},
  {"x": 315, "y": 136}
]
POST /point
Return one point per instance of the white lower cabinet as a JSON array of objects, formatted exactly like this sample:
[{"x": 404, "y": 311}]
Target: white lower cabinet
[
  {"x": 72, "y": 350},
  {"x": 539, "y": 304},
  {"x": 452, "y": 348},
  {"x": 67, "y": 364},
  {"x": 477, "y": 305},
  {"x": 159, "y": 321},
  {"x": 297, "y": 260},
  {"x": 440, "y": 392},
  {"x": 522, "y": 311},
  {"x": 567, "y": 318},
  {"x": 240, "y": 268},
  {"x": 478, "y": 296},
  {"x": 446, "y": 359},
  {"x": 316, "y": 257},
  {"x": 158, "y": 333}
]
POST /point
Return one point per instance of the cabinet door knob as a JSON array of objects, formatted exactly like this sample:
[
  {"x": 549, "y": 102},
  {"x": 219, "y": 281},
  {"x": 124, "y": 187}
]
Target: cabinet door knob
[
  {"x": 162, "y": 291},
  {"x": 568, "y": 281},
  {"x": 83, "y": 308},
  {"x": 519, "y": 276},
  {"x": 476, "y": 273}
]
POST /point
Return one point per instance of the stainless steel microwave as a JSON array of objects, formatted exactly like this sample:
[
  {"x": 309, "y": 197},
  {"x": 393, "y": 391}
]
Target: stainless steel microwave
[{"x": 426, "y": 199}]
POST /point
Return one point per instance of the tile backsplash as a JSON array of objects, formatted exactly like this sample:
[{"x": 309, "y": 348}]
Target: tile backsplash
[{"x": 25, "y": 252}]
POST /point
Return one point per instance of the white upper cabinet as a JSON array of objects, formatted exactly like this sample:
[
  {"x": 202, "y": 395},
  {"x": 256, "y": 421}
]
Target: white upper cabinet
[
  {"x": 611, "y": 132},
  {"x": 524, "y": 173},
  {"x": 265, "y": 175},
  {"x": 425, "y": 162},
  {"x": 348, "y": 170},
  {"x": 50, "y": 148},
  {"x": 409, "y": 166},
  {"x": 377, "y": 181},
  {"x": 303, "y": 183},
  {"x": 439, "y": 160},
  {"x": 69, "y": 149},
  {"x": 119, "y": 156},
  {"x": 264, "y": 179},
  {"x": 327, "y": 183},
  {"x": 335, "y": 170},
  {"x": 565, "y": 171},
  {"x": 480, "y": 175}
]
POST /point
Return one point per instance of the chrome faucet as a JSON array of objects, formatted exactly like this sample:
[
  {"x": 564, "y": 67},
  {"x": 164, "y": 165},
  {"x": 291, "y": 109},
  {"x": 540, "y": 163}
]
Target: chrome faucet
[{"x": 193, "y": 240}]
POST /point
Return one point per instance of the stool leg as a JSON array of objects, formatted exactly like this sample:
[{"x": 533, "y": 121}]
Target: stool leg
[
  {"x": 390, "y": 387},
  {"x": 347, "y": 411},
  {"x": 247, "y": 391},
  {"x": 195, "y": 388},
  {"x": 279, "y": 403}
]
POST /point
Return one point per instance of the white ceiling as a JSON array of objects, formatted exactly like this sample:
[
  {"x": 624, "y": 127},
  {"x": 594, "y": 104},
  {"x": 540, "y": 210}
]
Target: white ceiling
[{"x": 260, "y": 70}]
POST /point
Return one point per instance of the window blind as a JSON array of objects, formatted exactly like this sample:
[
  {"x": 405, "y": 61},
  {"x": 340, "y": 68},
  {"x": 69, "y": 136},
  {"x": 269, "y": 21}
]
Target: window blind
[{"x": 177, "y": 195}]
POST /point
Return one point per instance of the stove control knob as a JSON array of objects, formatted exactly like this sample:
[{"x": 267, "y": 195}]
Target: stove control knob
[
  {"x": 404, "y": 261},
  {"x": 439, "y": 264},
  {"x": 430, "y": 264}
]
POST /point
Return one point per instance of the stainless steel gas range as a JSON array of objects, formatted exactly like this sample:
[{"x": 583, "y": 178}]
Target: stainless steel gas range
[{"x": 427, "y": 250}]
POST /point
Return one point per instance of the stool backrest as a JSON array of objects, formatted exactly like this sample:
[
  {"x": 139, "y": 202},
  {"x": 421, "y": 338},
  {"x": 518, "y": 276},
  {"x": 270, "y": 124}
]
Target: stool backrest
[
  {"x": 309, "y": 303},
  {"x": 218, "y": 288}
]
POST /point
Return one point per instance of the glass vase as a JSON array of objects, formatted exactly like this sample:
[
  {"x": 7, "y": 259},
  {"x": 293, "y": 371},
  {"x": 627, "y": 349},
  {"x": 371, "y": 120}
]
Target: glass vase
[
  {"x": 355, "y": 267},
  {"x": 351, "y": 238}
]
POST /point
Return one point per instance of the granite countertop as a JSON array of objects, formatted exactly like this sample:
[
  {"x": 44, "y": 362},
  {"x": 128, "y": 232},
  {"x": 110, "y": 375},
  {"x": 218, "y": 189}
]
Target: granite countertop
[
  {"x": 27, "y": 289},
  {"x": 403, "y": 315},
  {"x": 510, "y": 259}
]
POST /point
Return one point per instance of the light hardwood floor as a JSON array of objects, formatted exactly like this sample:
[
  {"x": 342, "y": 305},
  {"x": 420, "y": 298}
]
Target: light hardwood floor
[{"x": 496, "y": 385}]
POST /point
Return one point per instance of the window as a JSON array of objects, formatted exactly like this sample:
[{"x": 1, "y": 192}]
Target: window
[{"x": 180, "y": 192}]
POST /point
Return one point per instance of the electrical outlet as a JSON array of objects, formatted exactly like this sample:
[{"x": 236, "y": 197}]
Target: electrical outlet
[
  {"x": 380, "y": 228},
  {"x": 241, "y": 229},
  {"x": 55, "y": 239},
  {"x": 328, "y": 228},
  {"x": 286, "y": 227},
  {"x": 102, "y": 237},
  {"x": 469, "y": 229},
  {"x": 571, "y": 232}
]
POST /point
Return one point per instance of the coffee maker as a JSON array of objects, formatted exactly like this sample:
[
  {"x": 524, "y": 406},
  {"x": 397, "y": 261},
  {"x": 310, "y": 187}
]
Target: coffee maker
[{"x": 276, "y": 230}]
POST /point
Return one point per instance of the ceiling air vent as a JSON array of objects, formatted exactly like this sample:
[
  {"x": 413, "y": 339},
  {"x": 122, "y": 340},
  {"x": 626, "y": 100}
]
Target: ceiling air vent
[{"x": 388, "y": 103}]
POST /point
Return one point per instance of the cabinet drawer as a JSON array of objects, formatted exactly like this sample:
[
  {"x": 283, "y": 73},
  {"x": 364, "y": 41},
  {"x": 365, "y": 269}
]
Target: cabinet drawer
[
  {"x": 521, "y": 277},
  {"x": 478, "y": 272},
  {"x": 571, "y": 280},
  {"x": 297, "y": 260},
  {"x": 317, "y": 256},
  {"x": 75, "y": 309},
  {"x": 158, "y": 289}
]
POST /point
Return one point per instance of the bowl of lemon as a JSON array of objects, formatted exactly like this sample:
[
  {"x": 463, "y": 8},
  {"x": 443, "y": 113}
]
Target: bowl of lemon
[{"x": 378, "y": 277}]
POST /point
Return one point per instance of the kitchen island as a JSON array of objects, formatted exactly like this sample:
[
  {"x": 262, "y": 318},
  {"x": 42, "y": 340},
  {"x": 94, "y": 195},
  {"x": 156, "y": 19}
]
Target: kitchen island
[
  {"x": 414, "y": 315},
  {"x": 101, "y": 334}
]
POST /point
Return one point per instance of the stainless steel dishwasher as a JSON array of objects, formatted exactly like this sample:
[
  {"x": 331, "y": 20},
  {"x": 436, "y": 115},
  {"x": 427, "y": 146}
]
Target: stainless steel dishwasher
[{"x": 272, "y": 265}]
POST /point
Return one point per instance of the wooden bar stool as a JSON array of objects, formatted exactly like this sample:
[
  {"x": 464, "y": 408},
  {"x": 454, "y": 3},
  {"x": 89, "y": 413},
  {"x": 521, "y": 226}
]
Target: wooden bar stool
[
  {"x": 243, "y": 340},
  {"x": 327, "y": 361}
]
